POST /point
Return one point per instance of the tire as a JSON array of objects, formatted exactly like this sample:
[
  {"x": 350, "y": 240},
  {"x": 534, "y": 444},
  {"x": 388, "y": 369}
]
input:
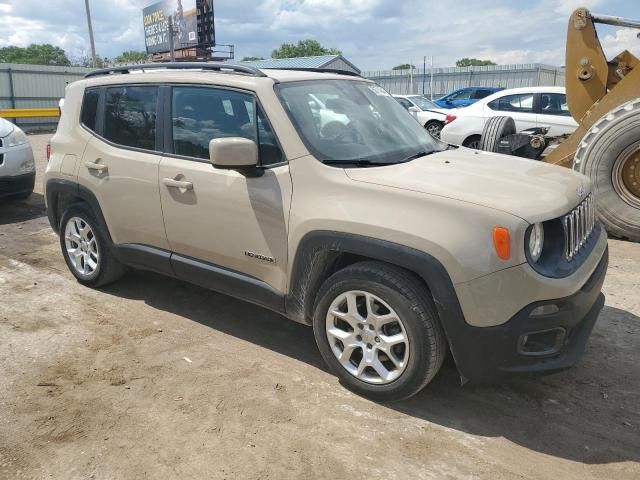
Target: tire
[
  {"x": 434, "y": 128},
  {"x": 494, "y": 130},
  {"x": 604, "y": 150},
  {"x": 107, "y": 269},
  {"x": 394, "y": 293},
  {"x": 472, "y": 142}
]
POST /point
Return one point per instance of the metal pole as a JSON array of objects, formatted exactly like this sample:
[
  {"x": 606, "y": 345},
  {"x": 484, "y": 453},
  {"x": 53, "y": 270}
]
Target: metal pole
[
  {"x": 93, "y": 45},
  {"x": 431, "y": 80},
  {"x": 172, "y": 50},
  {"x": 424, "y": 74},
  {"x": 12, "y": 93}
]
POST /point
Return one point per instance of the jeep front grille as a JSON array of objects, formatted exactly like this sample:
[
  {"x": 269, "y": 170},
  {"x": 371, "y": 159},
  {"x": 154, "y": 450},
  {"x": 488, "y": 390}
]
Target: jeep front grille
[{"x": 578, "y": 225}]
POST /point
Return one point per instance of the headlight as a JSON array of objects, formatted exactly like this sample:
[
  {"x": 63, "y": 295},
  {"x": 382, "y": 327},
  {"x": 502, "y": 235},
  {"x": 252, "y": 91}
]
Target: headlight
[
  {"x": 536, "y": 242},
  {"x": 15, "y": 138}
]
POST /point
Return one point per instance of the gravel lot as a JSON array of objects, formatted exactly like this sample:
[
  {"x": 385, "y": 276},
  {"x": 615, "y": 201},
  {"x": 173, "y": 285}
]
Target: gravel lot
[{"x": 154, "y": 378}]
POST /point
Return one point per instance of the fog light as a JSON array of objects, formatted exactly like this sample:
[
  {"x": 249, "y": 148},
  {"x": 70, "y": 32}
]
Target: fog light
[
  {"x": 548, "y": 309},
  {"x": 546, "y": 342}
]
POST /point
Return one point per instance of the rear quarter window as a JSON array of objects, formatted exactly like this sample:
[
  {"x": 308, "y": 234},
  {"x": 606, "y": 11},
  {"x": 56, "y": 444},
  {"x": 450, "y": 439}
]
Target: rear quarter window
[{"x": 90, "y": 108}]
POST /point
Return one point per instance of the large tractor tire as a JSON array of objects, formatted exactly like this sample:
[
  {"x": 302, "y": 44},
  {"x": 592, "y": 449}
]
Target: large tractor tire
[
  {"x": 610, "y": 156},
  {"x": 494, "y": 130}
]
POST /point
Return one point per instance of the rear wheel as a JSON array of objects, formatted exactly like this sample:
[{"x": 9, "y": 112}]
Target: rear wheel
[
  {"x": 434, "y": 127},
  {"x": 610, "y": 156},
  {"x": 495, "y": 129},
  {"x": 472, "y": 142},
  {"x": 378, "y": 330},
  {"x": 86, "y": 248}
]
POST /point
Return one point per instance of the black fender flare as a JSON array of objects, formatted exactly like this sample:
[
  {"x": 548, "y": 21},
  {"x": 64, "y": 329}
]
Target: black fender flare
[
  {"x": 57, "y": 187},
  {"x": 319, "y": 250}
]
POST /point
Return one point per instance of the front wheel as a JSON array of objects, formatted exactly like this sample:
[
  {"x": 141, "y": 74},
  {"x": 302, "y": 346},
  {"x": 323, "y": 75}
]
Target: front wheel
[{"x": 378, "y": 330}]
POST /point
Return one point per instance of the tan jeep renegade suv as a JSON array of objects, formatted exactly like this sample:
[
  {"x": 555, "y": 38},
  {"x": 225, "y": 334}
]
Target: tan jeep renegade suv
[{"x": 316, "y": 195}]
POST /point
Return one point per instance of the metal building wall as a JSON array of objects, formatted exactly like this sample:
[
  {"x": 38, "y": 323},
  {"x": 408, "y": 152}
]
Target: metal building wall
[
  {"x": 446, "y": 80},
  {"x": 35, "y": 86}
]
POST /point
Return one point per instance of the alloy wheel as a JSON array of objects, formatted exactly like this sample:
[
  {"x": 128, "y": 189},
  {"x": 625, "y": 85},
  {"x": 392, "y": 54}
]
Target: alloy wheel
[
  {"x": 82, "y": 246},
  {"x": 367, "y": 337}
]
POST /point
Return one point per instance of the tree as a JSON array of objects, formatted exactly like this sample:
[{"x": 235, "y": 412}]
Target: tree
[
  {"x": 34, "y": 54},
  {"x": 131, "y": 57},
  {"x": 404, "y": 66},
  {"x": 251, "y": 59},
  {"x": 85, "y": 60},
  {"x": 473, "y": 62},
  {"x": 304, "y": 48}
]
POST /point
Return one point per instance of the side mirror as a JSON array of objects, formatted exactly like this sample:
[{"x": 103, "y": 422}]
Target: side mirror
[
  {"x": 233, "y": 152},
  {"x": 414, "y": 109}
]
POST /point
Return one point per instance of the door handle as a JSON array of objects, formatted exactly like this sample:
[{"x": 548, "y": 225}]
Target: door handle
[
  {"x": 181, "y": 184},
  {"x": 98, "y": 167}
]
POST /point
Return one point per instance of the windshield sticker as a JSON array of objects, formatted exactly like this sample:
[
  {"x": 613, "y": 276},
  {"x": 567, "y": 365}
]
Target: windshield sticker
[{"x": 378, "y": 90}]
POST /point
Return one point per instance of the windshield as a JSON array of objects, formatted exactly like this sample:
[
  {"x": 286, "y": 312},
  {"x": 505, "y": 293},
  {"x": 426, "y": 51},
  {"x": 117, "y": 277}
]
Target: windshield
[
  {"x": 354, "y": 121},
  {"x": 423, "y": 103}
]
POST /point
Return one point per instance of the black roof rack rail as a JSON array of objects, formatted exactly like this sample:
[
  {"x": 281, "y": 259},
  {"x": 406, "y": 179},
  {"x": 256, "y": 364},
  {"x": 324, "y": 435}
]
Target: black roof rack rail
[
  {"x": 212, "y": 66},
  {"x": 319, "y": 70}
]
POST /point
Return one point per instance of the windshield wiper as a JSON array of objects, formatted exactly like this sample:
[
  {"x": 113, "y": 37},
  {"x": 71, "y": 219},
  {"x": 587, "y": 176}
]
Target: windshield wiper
[
  {"x": 419, "y": 154},
  {"x": 358, "y": 163}
]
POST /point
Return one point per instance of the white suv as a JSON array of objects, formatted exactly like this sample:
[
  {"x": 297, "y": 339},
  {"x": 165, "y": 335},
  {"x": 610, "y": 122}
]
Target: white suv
[{"x": 530, "y": 107}]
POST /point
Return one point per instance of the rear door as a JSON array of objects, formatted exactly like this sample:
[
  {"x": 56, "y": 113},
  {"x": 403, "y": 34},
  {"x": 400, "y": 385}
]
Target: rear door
[
  {"x": 518, "y": 106},
  {"x": 120, "y": 164},
  {"x": 553, "y": 112}
]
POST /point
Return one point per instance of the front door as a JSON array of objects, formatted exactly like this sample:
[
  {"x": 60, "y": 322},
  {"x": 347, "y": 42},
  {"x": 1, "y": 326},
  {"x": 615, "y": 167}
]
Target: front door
[
  {"x": 553, "y": 112},
  {"x": 224, "y": 217}
]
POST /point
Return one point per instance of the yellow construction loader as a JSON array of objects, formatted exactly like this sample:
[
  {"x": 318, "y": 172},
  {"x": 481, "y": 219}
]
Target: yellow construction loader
[{"x": 603, "y": 96}]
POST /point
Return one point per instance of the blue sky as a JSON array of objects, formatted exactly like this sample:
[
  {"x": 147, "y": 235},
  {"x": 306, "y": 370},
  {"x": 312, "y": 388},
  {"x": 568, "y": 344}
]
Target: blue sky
[{"x": 374, "y": 34}]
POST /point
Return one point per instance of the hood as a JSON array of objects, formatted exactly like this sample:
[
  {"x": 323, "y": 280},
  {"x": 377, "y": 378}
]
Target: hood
[
  {"x": 529, "y": 189},
  {"x": 5, "y": 127}
]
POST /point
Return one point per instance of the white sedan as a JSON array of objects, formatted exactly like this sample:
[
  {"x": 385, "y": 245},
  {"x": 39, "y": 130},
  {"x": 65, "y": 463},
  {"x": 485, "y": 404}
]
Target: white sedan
[
  {"x": 430, "y": 115},
  {"x": 530, "y": 107},
  {"x": 17, "y": 168}
]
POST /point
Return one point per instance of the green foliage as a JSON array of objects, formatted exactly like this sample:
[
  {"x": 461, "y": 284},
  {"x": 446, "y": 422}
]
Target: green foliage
[
  {"x": 473, "y": 62},
  {"x": 404, "y": 66},
  {"x": 34, "y": 54},
  {"x": 304, "y": 48},
  {"x": 251, "y": 59},
  {"x": 131, "y": 57}
]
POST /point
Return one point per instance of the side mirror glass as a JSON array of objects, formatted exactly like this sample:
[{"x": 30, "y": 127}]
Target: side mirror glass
[
  {"x": 233, "y": 152},
  {"x": 414, "y": 109}
]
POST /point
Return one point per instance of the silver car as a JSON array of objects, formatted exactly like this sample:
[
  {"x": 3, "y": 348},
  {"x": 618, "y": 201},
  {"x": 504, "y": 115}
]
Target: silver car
[{"x": 17, "y": 167}]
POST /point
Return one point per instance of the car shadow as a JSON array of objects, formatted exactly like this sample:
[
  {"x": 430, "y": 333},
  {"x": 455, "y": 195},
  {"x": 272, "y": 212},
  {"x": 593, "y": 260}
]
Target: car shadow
[
  {"x": 21, "y": 210},
  {"x": 561, "y": 415}
]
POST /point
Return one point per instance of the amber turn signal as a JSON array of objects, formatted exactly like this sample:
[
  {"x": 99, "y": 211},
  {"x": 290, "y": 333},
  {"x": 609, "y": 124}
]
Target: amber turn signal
[{"x": 502, "y": 242}]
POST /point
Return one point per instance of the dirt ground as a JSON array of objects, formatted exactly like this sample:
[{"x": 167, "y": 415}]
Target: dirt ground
[{"x": 154, "y": 378}]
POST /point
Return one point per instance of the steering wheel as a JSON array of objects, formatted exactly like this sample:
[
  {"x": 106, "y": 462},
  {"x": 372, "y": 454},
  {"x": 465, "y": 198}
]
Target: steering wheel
[{"x": 341, "y": 133}]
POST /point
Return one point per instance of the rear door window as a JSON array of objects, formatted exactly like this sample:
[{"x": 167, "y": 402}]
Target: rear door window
[
  {"x": 130, "y": 116},
  {"x": 522, "y": 102}
]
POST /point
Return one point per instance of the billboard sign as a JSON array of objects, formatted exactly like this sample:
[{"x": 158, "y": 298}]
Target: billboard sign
[{"x": 156, "y": 25}]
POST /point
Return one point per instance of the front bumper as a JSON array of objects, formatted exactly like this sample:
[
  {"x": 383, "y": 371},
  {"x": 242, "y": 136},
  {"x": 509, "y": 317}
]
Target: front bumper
[
  {"x": 17, "y": 184},
  {"x": 529, "y": 343}
]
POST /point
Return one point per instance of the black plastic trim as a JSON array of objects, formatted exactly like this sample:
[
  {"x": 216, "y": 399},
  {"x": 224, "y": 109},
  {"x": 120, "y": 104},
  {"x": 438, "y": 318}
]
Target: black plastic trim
[
  {"x": 57, "y": 186},
  {"x": 145, "y": 257},
  {"x": 228, "y": 282}
]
